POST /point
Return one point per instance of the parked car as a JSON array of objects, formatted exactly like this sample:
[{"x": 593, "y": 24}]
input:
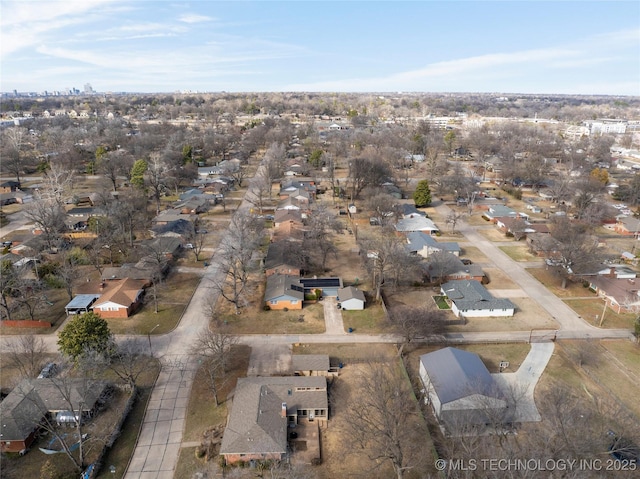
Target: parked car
[
  {"x": 48, "y": 371},
  {"x": 201, "y": 232},
  {"x": 188, "y": 246}
]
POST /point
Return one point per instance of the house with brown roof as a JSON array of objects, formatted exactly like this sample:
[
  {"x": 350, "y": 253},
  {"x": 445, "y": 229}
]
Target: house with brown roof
[
  {"x": 120, "y": 298},
  {"x": 622, "y": 295},
  {"x": 264, "y": 409},
  {"x": 293, "y": 217},
  {"x": 284, "y": 257}
]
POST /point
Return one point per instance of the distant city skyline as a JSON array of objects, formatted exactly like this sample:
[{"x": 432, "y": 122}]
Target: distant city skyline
[{"x": 529, "y": 47}]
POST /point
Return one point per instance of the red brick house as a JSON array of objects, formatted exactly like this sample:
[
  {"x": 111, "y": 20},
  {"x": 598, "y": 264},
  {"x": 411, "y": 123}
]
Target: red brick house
[{"x": 120, "y": 299}]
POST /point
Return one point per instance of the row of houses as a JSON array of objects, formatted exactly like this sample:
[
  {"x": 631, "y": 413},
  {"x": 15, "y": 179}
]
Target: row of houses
[{"x": 286, "y": 288}]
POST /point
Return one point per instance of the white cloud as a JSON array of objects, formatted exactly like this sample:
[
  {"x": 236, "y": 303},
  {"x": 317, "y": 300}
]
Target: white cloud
[
  {"x": 194, "y": 18},
  {"x": 24, "y": 24}
]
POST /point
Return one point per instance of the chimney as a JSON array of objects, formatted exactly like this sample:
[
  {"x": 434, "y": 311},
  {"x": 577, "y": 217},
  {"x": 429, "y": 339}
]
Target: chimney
[{"x": 284, "y": 410}]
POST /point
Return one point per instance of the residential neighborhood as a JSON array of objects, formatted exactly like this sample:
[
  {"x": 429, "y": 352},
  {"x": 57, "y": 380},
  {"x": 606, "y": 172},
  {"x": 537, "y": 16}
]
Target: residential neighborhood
[{"x": 278, "y": 291}]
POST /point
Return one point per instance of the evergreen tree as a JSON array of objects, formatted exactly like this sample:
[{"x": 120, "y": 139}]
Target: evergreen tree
[{"x": 422, "y": 195}]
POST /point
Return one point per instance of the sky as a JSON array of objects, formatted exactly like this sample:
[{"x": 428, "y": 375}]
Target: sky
[{"x": 538, "y": 47}]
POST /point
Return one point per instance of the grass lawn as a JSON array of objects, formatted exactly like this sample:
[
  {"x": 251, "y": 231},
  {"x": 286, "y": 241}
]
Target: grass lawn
[
  {"x": 441, "y": 302},
  {"x": 369, "y": 320},
  {"x": 498, "y": 279},
  {"x": 491, "y": 354},
  {"x": 122, "y": 449},
  {"x": 553, "y": 283},
  {"x": 495, "y": 235},
  {"x": 474, "y": 254},
  {"x": 54, "y": 313},
  {"x": 202, "y": 415},
  {"x": 173, "y": 297},
  {"x": 254, "y": 320},
  {"x": 518, "y": 253},
  {"x": 612, "y": 364},
  {"x": 590, "y": 309}
]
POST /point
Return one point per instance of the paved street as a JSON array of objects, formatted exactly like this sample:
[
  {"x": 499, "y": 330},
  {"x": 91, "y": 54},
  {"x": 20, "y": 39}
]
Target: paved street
[{"x": 158, "y": 446}]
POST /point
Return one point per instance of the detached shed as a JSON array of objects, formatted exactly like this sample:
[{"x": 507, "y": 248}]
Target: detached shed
[{"x": 351, "y": 298}]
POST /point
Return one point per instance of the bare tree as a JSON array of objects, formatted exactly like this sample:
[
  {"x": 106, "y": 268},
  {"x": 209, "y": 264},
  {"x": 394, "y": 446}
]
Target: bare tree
[
  {"x": 384, "y": 255},
  {"x": 215, "y": 349},
  {"x": 26, "y": 353},
  {"x": 440, "y": 264},
  {"x": 576, "y": 252},
  {"x": 453, "y": 218},
  {"x": 382, "y": 206},
  {"x": 321, "y": 227},
  {"x": 49, "y": 217},
  {"x": 157, "y": 172},
  {"x": 386, "y": 426},
  {"x": 236, "y": 249},
  {"x": 416, "y": 323},
  {"x": 259, "y": 190}
]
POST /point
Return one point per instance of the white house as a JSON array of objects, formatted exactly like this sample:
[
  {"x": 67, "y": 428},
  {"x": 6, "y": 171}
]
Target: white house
[
  {"x": 425, "y": 245},
  {"x": 470, "y": 299},
  {"x": 351, "y": 298},
  {"x": 416, "y": 223},
  {"x": 460, "y": 389}
]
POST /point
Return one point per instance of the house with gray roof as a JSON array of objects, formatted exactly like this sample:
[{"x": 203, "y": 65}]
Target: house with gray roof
[
  {"x": 470, "y": 299},
  {"x": 424, "y": 245},
  {"x": 264, "y": 408},
  {"x": 33, "y": 399},
  {"x": 283, "y": 291},
  {"x": 284, "y": 257},
  {"x": 416, "y": 223},
  {"x": 310, "y": 364},
  {"x": 351, "y": 298},
  {"x": 461, "y": 390}
]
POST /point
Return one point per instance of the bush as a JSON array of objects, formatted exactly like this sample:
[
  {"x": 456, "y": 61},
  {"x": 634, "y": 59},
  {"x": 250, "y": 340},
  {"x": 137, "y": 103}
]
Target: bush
[{"x": 266, "y": 307}]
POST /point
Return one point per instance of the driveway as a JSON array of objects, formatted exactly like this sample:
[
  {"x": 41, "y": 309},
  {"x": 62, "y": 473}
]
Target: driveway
[
  {"x": 521, "y": 385},
  {"x": 332, "y": 316}
]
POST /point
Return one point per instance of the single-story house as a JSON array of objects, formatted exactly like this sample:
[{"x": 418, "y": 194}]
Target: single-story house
[
  {"x": 450, "y": 267},
  {"x": 497, "y": 211},
  {"x": 310, "y": 364},
  {"x": 416, "y": 222},
  {"x": 407, "y": 210},
  {"x": 136, "y": 271},
  {"x": 287, "y": 216},
  {"x": 328, "y": 286},
  {"x": 424, "y": 245},
  {"x": 167, "y": 246},
  {"x": 629, "y": 226},
  {"x": 284, "y": 291},
  {"x": 181, "y": 228},
  {"x": 264, "y": 408},
  {"x": 9, "y": 186},
  {"x": 32, "y": 399},
  {"x": 469, "y": 298},
  {"x": 283, "y": 257},
  {"x": 168, "y": 216},
  {"x": 351, "y": 298},
  {"x": 460, "y": 389},
  {"x": 621, "y": 295},
  {"x": 120, "y": 298},
  {"x": 81, "y": 303}
]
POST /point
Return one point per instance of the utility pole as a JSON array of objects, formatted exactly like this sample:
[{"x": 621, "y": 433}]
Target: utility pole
[{"x": 149, "y": 337}]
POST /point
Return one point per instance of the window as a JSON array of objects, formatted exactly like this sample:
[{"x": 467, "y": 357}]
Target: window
[{"x": 294, "y": 301}]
